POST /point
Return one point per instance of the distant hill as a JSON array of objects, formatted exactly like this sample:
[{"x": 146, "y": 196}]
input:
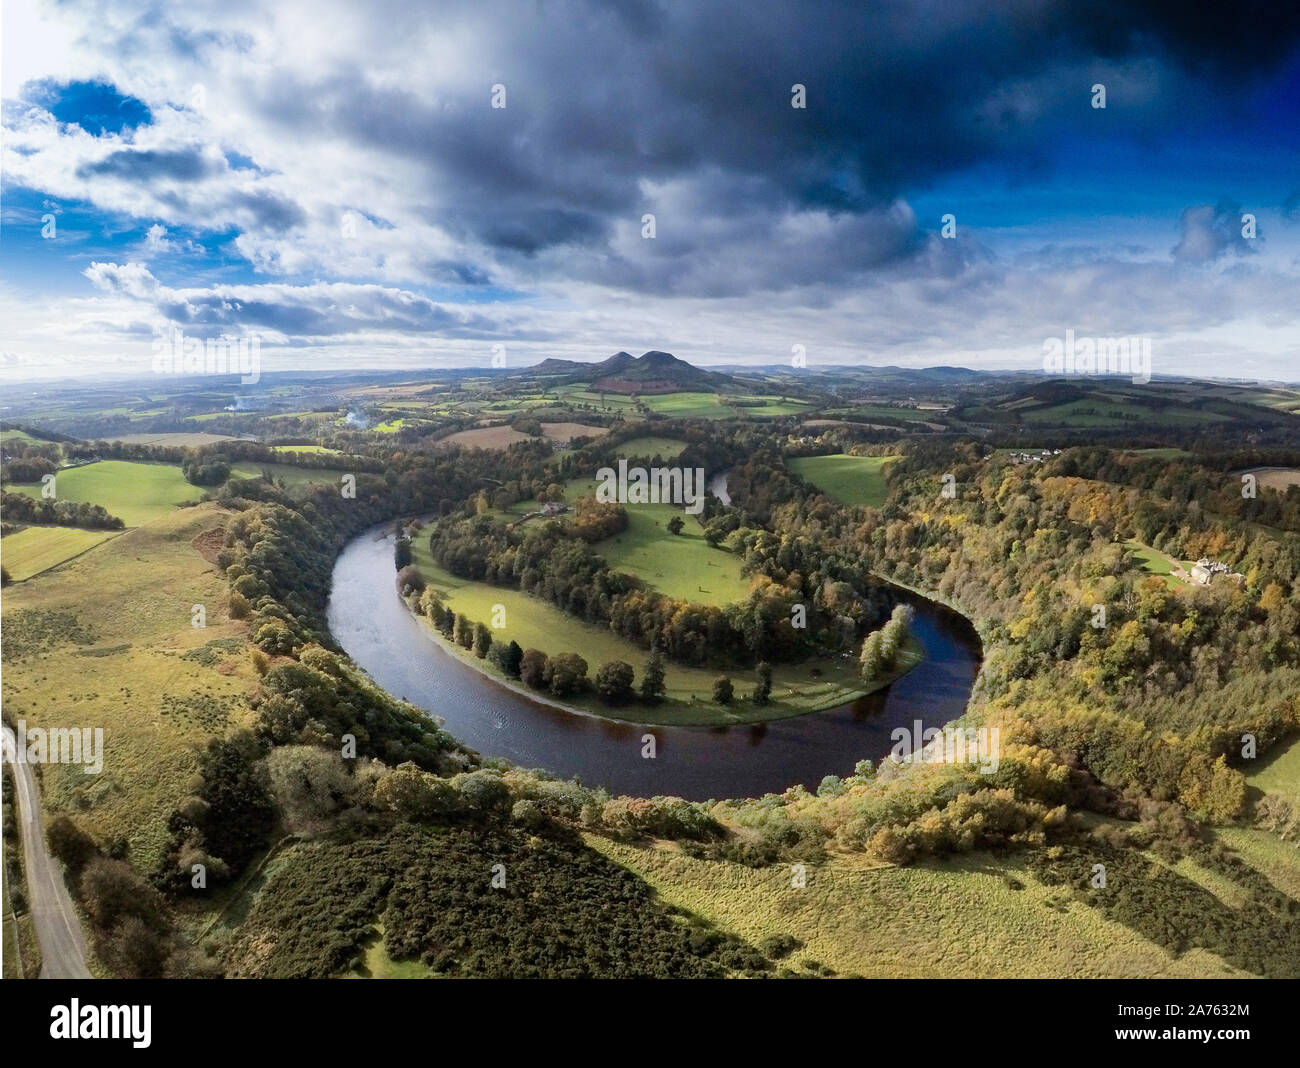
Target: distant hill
[{"x": 651, "y": 372}]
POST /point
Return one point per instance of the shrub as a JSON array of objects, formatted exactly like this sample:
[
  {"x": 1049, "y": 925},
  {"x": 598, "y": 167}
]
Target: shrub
[
  {"x": 614, "y": 682},
  {"x": 533, "y": 668},
  {"x": 568, "y": 674}
]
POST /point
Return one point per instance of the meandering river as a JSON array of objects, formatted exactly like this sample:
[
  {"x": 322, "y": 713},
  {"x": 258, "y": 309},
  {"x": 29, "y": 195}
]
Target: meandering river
[{"x": 370, "y": 621}]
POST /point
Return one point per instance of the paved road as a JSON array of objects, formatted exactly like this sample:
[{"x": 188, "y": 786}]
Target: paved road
[{"x": 58, "y": 928}]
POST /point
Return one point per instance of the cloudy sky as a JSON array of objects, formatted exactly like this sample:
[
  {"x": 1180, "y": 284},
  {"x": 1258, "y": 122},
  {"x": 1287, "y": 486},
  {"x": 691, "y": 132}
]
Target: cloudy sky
[{"x": 334, "y": 179}]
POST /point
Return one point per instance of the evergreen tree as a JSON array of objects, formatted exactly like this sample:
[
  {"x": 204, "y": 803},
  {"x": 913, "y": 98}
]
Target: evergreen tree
[{"x": 652, "y": 677}]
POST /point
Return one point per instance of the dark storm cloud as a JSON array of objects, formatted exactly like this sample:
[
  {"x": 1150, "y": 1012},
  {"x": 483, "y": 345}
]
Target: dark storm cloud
[
  {"x": 602, "y": 99},
  {"x": 1237, "y": 39}
]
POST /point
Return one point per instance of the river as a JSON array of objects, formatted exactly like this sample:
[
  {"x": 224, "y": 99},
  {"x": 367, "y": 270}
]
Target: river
[{"x": 370, "y": 621}]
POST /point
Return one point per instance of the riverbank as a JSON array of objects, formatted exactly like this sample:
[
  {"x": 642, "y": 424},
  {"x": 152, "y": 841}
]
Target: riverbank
[
  {"x": 670, "y": 713},
  {"x": 375, "y": 628}
]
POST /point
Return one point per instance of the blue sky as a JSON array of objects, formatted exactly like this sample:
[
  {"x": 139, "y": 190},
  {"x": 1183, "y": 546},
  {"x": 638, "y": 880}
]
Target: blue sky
[{"x": 335, "y": 180}]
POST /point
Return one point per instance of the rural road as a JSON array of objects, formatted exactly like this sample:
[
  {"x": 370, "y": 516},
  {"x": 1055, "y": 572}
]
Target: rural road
[{"x": 58, "y": 928}]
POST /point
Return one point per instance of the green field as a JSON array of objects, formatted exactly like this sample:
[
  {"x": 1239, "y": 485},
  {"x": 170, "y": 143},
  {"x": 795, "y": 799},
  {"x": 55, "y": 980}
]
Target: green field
[
  {"x": 852, "y": 480},
  {"x": 537, "y": 624},
  {"x": 1161, "y": 454},
  {"x": 689, "y": 405},
  {"x": 971, "y": 915},
  {"x": 1279, "y": 772},
  {"x": 291, "y": 476},
  {"x": 134, "y": 492},
  {"x": 651, "y": 445},
  {"x": 887, "y": 411},
  {"x": 682, "y": 565},
  {"x": 36, "y": 549},
  {"x": 1097, "y": 412},
  {"x": 314, "y": 450},
  {"x": 1155, "y": 562}
]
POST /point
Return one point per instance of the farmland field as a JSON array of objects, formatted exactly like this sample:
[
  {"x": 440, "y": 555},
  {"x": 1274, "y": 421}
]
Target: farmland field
[
  {"x": 191, "y": 440},
  {"x": 134, "y": 492},
  {"x": 650, "y": 445},
  {"x": 689, "y": 405},
  {"x": 309, "y": 449},
  {"x": 290, "y": 474},
  {"x": 681, "y": 565},
  {"x": 567, "y": 431},
  {"x": 852, "y": 480},
  {"x": 35, "y": 549},
  {"x": 1278, "y": 478}
]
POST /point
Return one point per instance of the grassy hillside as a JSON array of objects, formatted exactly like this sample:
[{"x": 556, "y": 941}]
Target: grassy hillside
[
  {"x": 970, "y": 916},
  {"x": 107, "y": 641},
  {"x": 852, "y": 480}
]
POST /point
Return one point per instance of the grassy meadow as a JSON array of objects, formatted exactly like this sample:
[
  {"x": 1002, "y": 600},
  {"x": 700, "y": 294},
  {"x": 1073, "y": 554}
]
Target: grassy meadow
[
  {"x": 35, "y": 549},
  {"x": 1155, "y": 562},
  {"x": 292, "y": 476},
  {"x": 851, "y": 480},
  {"x": 134, "y": 492},
  {"x": 682, "y": 565},
  {"x": 106, "y": 641},
  {"x": 972, "y": 915},
  {"x": 652, "y": 445},
  {"x": 535, "y": 623},
  {"x": 1279, "y": 772}
]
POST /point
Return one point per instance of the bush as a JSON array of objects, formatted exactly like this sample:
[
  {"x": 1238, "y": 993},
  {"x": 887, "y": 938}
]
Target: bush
[
  {"x": 409, "y": 580},
  {"x": 533, "y": 668},
  {"x": 567, "y": 674},
  {"x": 723, "y": 690},
  {"x": 614, "y": 682},
  {"x": 71, "y": 846}
]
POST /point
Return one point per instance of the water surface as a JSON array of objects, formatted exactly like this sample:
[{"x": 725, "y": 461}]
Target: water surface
[{"x": 370, "y": 621}]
